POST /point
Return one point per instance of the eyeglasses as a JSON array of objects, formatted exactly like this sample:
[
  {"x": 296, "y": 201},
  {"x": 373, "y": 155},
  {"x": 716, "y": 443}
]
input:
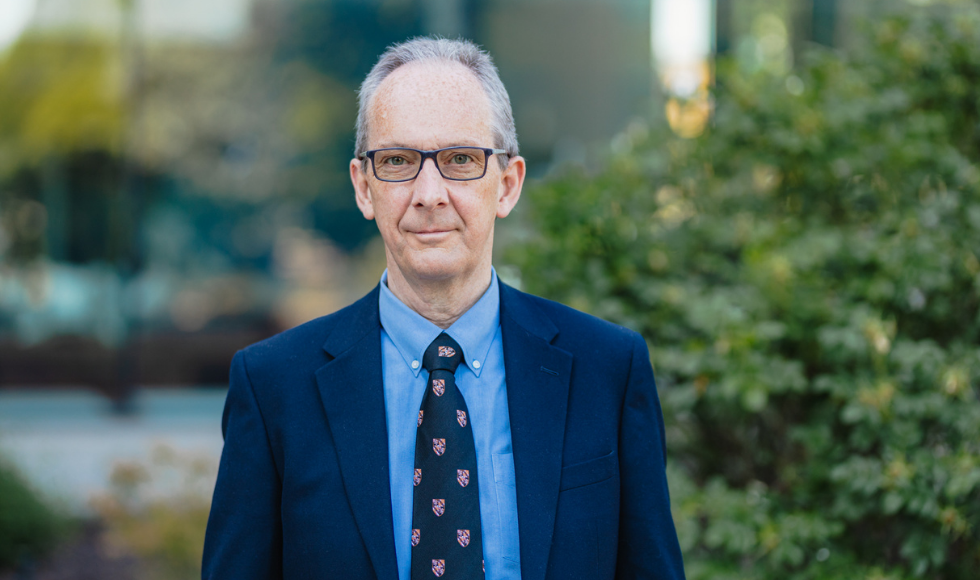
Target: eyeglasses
[{"x": 456, "y": 163}]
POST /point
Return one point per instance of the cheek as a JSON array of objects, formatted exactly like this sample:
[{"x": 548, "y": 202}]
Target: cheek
[
  {"x": 479, "y": 216},
  {"x": 387, "y": 212}
]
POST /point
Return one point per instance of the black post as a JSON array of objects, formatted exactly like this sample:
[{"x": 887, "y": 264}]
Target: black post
[
  {"x": 823, "y": 22},
  {"x": 723, "y": 26},
  {"x": 127, "y": 256}
]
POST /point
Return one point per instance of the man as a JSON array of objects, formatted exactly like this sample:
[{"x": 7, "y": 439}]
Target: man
[{"x": 445, "y": 425}]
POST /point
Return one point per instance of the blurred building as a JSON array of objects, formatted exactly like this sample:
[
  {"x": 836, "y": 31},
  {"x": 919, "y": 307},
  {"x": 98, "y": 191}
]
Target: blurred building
[{"x": 173, "y": 174}]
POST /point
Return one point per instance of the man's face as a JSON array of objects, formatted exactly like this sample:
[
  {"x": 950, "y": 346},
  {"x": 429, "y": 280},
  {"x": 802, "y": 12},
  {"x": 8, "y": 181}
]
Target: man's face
[{"x": 435, "y": 229}]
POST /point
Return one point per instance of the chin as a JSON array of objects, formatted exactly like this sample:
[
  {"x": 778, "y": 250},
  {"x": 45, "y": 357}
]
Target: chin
[{"x": 440, "y": 267}]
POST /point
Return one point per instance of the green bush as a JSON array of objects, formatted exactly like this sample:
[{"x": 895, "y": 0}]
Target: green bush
[
  {"x": 29, "y": 528},
  {"x": 807, "y": 273}
]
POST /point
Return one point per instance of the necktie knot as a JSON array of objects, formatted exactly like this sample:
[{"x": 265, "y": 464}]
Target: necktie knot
[{"x": 443, "y": 354}]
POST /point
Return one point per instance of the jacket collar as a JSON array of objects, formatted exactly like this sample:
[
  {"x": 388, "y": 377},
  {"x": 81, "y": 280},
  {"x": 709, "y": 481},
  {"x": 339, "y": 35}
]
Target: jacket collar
[
  {"x": 353, "y": 324},
  {"x": 525, "y": 314}
]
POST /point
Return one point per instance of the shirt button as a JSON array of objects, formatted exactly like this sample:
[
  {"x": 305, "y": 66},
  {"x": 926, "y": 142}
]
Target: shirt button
[
  {"x": 415, "y": 364},
  {"x": 476, "y": 364}
]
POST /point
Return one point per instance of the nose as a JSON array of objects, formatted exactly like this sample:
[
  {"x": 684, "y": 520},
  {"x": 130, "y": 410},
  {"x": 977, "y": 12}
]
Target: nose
[{"x": 430, "y": 187}]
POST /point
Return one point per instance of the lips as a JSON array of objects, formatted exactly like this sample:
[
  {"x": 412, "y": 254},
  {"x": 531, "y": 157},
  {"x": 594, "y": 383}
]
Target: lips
[{"x": 431, "y": 232}]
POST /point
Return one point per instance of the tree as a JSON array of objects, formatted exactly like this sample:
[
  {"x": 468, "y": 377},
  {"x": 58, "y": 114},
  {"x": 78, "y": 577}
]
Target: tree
[{"x": 807, "y": 273}]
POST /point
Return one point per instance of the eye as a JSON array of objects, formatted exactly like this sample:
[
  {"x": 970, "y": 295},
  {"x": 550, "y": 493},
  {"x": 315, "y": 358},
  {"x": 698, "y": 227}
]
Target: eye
[
  {"x": 395, "y": 160},
  {"x": 460, "y": 159}
]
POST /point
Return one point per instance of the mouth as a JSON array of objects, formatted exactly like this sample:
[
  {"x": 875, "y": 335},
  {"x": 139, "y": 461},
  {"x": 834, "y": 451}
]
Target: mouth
[{"x": 431, "y": 233}]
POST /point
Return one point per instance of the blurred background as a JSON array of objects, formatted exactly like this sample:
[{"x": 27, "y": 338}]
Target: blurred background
[{"x": 783, "y": 196}]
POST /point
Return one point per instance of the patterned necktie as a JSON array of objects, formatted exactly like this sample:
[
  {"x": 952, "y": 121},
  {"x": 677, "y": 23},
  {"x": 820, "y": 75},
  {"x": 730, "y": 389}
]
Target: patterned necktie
[{"x": 446, "y": 536}]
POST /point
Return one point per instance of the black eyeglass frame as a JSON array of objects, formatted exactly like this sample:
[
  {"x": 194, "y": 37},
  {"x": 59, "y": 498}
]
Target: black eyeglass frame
[{"x": 431, "y": 154}]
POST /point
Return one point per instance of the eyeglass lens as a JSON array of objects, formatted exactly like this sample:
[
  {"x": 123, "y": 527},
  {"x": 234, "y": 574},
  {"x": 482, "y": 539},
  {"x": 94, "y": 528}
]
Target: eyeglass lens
[{"x": 459, "y": 163}]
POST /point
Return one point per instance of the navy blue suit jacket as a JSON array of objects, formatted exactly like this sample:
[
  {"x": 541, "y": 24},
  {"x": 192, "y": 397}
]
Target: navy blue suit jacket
[{"x": 302, "y": 490}]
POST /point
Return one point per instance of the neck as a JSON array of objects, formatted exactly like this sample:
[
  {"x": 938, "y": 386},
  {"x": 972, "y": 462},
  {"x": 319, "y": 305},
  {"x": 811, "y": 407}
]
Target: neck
[{"x": 442, "y": 301}]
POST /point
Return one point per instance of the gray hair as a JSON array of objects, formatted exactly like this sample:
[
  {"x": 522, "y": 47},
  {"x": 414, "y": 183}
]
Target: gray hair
[{"x": 429, "y": 49}]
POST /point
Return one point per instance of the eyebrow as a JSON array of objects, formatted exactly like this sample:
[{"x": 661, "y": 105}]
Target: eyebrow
[{"x": 401, "y": 146}]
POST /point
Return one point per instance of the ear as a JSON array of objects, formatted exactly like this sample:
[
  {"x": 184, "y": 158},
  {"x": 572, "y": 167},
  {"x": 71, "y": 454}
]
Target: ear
[
  {"x": 362, "y": 192},
  {"x": 511, "y": 183}
]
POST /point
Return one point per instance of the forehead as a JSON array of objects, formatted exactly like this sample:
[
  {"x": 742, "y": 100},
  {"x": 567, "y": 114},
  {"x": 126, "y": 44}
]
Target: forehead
[{"x": 429, "y": 105}]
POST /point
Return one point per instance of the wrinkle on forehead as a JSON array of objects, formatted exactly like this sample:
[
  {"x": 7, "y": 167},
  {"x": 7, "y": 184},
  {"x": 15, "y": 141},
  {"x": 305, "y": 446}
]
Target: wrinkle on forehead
[{"x": 431, "y": 95}]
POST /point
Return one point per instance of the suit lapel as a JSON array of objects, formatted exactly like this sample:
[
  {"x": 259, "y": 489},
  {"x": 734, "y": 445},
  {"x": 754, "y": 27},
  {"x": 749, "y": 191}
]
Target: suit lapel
[
  {"x": 538, "y": 377},
  {"x": 538, "y": 374},
  {"x": 351, "y": 388}
]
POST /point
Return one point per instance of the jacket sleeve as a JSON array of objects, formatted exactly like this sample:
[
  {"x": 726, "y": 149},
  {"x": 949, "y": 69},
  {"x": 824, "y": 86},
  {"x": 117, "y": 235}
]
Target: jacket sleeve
[
  {"x": 648, "y": 546},
  {"x": 244, "y": 533}
]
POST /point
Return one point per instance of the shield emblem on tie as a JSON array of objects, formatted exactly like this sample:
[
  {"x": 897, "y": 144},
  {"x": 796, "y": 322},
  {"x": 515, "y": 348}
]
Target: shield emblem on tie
[
  {"x": 439, "y": 446},
  {"x": 418, "y": 475},
  {"x": 461, "y": 418},
  {"x": 447, "y": 351},
  {"x": 463, "y": 477},
  {"x": 438, "y": 506},
  {"x": 439, "y": 387},
  {"x": 438, "y": 567},
  {"x": 420, "y": 418},
  {"x": 463, "y": 537},
  {"x": 416, "y": 536}
]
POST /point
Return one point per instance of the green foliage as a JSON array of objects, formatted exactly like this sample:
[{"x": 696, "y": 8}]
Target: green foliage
[
  {"x": 29, "y": 527},
  {"x": 59, "y": 97},
  {"x": 807, "y": 273}
]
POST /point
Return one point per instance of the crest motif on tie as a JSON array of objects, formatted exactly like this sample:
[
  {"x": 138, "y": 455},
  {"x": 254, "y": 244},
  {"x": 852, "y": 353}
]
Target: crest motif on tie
[
  {"x": 439, "y": 446},
  {"x": 438, "y": 506},
  {"x": 447, "y": 351},
  {"x": 438, "y": 567},
  {"x": 463, "y": 537},
  {"x": 418, "y": 475},
  {"x": 463, "y": 477},
  {"x": 439, "y": 386},
  {"x": 461, "y": 418},
  {"x": 420, "y": 418},
  {"x": 416, "y": 536}
]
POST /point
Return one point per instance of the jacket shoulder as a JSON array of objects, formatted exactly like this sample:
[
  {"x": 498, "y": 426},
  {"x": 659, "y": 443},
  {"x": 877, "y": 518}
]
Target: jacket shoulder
[
  {"x": 570, "y": 325},
  {"x": 308, "y": 339}
]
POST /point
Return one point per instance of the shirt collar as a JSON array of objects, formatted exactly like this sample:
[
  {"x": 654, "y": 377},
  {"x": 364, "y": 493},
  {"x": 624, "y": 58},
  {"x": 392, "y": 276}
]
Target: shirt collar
[{"x": 411, "y": 333}]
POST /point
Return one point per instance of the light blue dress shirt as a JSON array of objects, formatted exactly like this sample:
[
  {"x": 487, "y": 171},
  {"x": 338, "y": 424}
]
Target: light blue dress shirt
[{"x": 405, "y": 335}]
